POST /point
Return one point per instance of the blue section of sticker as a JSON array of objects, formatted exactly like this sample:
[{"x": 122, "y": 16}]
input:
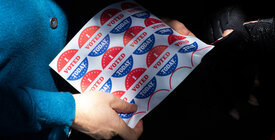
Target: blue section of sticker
[
  {"x": 148, "y": 89},
  {"x": 142, "y": 15},
  {"x": 169, "y": 67},
  {"x": 101, "y": 47},
  {"x": 79, "y": 71},
  {"x": 189, "y": 48},
  {"x": 122, "y": 26},
  {"x": 125, "y": 68},
  {"x": 165, "y": 31},
  {"x": 107, "y": 87},
  {"x": 146, "y": 45},
  {"x": 127, "y": 115}
]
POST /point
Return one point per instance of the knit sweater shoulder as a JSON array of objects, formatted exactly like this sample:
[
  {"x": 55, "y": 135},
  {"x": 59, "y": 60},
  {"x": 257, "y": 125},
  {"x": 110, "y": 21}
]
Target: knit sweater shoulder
[{"x": 29, "y": 98}]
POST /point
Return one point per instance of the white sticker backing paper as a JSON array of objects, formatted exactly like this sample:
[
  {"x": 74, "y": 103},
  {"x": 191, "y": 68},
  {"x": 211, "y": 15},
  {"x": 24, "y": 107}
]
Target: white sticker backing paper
[{"x": 128, "y": 52}]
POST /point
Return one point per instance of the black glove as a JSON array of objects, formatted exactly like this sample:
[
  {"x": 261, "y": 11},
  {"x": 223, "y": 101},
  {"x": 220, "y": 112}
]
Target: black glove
[{"x": 228, "y": 18}]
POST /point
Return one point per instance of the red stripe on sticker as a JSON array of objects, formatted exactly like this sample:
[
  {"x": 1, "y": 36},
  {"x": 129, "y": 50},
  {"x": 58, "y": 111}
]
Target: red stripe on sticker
[
  {"x": 151, "y": 21},
  {"x": 173, "y": 38},
  {"x": 86, "y": 34},
  {"x": 108, "y": 14},
  {"x": 65, "y": 58},
  {"x": 109, "y": 55},
  {"x": 154, "y": 53},
  {"x": 133, "y": 76},
  {"x": 131, "y": 33},
  {"x": 88, "y": 79}
]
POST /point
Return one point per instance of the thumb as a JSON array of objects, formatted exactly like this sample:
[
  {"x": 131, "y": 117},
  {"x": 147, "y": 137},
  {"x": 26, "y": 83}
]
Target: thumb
[
  {"x": 138, "y": 129},
  {"x": 122, "y": 106}
]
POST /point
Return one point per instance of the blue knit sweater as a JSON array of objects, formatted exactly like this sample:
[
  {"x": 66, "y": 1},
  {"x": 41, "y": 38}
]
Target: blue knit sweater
[{"x": 30, "y": 104}]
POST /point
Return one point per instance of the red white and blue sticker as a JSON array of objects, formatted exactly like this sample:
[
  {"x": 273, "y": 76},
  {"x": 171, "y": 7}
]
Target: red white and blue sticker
[
  {"x": 154, "y": 53},
  {"x": 132, "y": 77},
  {"x": 80, "y": 71},
  {"x": 122, "y": 26},
  {"x": 151, "y": 21},
  {"x": 131, "y": 33},
  {"x": 101, "y": 47},
  {"x": 108, "y": 14},
  {"x": 107, "y": 87},
  {"x": 124, "y": 68},
  {"x": 65, "y": 58},
  {"x": 128, "y": 52},
  {"x": 86, "y": 34},
  {"x": 169, "y": 67},
  {"x": 173, "y": 38},
  {"x": 88, "y": 79},
  {"x": 109, "y": 55},
  {"x": 145, "y": 46},
  {"x": 148, "y": 89},
  {"x": 189, "y": 48},
  {"x": 142, "y": 15},
  {"x": 165, "y": 31}
]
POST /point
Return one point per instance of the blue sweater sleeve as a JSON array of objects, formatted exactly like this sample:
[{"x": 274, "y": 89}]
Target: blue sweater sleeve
[{"x": 27, "y": 110}]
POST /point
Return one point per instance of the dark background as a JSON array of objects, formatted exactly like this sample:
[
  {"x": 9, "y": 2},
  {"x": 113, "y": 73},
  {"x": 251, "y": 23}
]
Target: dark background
[{"x": 198, "y": 108}]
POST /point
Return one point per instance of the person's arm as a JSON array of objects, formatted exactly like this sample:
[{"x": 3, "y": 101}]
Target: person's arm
[{"x": 27, "y": 110}]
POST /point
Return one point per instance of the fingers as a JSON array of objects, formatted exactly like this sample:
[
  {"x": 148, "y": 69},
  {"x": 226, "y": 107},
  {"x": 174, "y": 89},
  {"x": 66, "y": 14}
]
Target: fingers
[
  {"x": 128, "y": 133},
  {"x": 122, "y": 106},
  {"x": 227, "y": 32},
  {"x": 139, "y": 128},
  {"x": 179, "y": 27},
  {"x": 117, "y": 104},
  {"x": 124, "y": 130}
]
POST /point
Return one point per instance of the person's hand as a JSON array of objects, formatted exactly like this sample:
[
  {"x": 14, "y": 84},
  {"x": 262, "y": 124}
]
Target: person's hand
[
  {"x": 97, "y": 116},
  {"x": 178, "y": 26}
]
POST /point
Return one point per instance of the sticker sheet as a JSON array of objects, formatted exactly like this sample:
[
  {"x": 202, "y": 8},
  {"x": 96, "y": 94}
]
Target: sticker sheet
[{"x": 127, "y": 51}]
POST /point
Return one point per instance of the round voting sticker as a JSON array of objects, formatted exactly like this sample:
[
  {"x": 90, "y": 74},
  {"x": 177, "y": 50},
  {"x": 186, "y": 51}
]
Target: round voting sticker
[
  {"x": 125, "y": 68},
  {"x": 88, "y": 78},
  {"x": 151, "y": 21},
  {"x": 80, "y": 70},
  {"x": 109, "y": 55},
  {"x": 86, "y": 34},
  {"x": 108, "y": 14},
  {"x": 101, "y": 47},
  {"x": 131, "y": 33},
  {"x": 173, "y": 38},
  {"x": 122, "y": 26},
  {"x": 169, "y": 67},
  {"x": 118, "y": 93},
  {"x": 142, "y": 15},
  {"x": 133, "y": 76},
  {"x": 145, "y": 46},
  {"x": 65, "y": 58},
  {"x": 107, "y": 87},
  {"x": 189, "y": 48},
  {"x": 148, "y": 89},
  {"x": 154, "y": 53},
  {"x": 165, "y": 31}
]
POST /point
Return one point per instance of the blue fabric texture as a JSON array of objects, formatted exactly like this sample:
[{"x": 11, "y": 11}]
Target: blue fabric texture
[{"x": 30, "y": 102}]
